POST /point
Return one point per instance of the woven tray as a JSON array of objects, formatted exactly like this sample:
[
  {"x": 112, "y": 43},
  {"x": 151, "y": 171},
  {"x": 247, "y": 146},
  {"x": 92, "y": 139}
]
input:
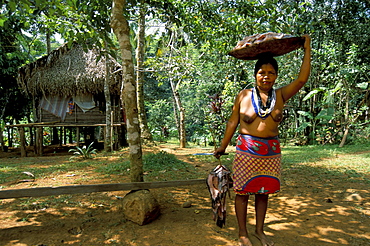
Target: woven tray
[{"x": 273, "y": 44}]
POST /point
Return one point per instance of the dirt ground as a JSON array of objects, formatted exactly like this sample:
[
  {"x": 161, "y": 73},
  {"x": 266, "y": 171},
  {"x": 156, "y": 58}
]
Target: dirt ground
[{"x": 307, "y": 212}]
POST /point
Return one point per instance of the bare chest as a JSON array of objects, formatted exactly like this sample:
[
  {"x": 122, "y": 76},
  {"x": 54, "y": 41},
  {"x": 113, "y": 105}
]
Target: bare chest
[{"x": 248, "y": 111}]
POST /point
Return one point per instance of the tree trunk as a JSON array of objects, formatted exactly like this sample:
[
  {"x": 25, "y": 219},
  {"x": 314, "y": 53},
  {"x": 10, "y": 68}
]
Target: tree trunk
[
  {"x": 182, "y": 126},
  {"x": 48, "y": 42},
  {"x": 346, "y": 119},
  {"x": 181, "y": 110},
  {"x": 140, "y": 50},
  {"x": 108, "y": 108},
  {"x": 128, "y": 91},
  {"x": 176, "y": 116},
  {"x": 2, "y": 138}
]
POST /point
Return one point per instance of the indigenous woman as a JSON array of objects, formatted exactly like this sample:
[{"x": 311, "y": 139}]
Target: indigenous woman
[{"x": 256, "y": 167}]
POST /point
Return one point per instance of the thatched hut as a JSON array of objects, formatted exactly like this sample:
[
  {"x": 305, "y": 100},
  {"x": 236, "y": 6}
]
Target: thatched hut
[{"x": 67, "y": 90}]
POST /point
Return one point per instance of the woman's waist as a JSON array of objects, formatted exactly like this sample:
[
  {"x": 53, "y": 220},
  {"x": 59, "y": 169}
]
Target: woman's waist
[
  {"x": 259, "y": 137},
  {"x": 265, "y": 134},
  {"x": 258, "y": 146}
]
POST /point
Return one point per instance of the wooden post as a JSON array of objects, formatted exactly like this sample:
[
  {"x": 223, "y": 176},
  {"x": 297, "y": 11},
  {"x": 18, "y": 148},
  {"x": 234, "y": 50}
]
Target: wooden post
[
  {"x": 10, "y": 138},
  {"x": 111, "y": 130},
  {"x": 39, "y": 141},
  {"x": 32, "y": 142},
  {"x": 78, "y": 136},
  {"x": 64, "y": 135},
  {"x": 23, "y": 141},
  {"x": 2, "y": 139},
  {"x": 61, "y": 136},
  {"x": 70, "y": 135}
]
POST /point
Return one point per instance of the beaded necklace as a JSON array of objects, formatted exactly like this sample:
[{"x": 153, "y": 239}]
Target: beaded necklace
[{"x": 260, "y": 109}]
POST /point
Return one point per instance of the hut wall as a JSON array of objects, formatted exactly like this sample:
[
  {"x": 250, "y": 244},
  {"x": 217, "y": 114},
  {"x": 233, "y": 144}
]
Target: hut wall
[{"x": 93, "y": 116}]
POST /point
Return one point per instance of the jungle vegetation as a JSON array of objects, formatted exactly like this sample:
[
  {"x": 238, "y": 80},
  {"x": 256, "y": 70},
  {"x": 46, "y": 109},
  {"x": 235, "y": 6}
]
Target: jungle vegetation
[{"x": 186, "y": 82}]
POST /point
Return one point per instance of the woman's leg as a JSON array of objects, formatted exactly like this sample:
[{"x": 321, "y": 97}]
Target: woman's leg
[
  {"x": 241, "y": 207},
  {"x": 261, "y": 204}
]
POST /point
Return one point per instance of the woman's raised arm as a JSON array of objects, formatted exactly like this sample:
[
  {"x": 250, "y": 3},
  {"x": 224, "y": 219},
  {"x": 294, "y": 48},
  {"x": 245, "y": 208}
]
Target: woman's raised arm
[{"x": 291, "y": 89}]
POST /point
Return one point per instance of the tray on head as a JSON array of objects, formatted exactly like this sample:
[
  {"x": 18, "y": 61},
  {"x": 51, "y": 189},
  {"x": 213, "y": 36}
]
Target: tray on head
[{"x": 273, "y": 44}]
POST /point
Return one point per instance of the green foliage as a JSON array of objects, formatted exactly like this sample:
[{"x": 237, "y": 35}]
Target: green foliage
[
  {"x": 84, "y": 152},
  {"x": 160, "y": 115},
  {"x": 12, "y": 101},
  {"x": 216, "y": 118},
  {"x": 200, "y": 34},
  {"x": 361, "y": 134}
]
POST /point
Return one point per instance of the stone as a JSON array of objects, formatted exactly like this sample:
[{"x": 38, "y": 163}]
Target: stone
[
  {"x": 140, "y": 207},
  {"x": 186, "y": 204},
  {"x": 353, "y": 198}
]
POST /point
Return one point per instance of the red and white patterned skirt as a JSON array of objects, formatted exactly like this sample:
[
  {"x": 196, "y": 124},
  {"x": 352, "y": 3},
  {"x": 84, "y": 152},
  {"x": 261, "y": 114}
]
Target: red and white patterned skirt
[{"x": 256, "y": 167}]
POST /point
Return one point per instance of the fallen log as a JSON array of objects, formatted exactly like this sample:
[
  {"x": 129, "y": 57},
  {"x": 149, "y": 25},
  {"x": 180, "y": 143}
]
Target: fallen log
[{"x": 75, "y": 189}]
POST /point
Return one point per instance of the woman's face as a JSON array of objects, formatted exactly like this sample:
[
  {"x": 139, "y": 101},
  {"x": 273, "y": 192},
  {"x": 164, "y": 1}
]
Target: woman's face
[{"x": 265, "y": 77}]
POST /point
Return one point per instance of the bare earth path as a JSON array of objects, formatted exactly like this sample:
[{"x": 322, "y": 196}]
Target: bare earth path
[{"x": 308, "y": 212}]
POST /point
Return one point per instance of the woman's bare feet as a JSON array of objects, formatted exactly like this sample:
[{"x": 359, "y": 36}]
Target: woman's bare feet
[
  {"x": 244, "y": 241},
  {"x": 264, "y": 239}
]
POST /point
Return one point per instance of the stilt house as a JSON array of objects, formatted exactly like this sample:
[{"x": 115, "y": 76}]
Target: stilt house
[{"x": 69, "y": 88}]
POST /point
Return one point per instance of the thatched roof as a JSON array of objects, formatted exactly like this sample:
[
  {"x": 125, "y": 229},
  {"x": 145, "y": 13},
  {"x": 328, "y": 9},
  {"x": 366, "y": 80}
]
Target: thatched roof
[{"x": 68, "y": 71}]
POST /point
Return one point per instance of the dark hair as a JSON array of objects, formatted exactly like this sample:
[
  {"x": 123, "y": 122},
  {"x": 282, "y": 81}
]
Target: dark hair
[{"x": 265, "y": 60}]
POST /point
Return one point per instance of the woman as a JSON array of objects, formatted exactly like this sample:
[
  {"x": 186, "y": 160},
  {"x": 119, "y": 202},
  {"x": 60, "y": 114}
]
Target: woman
[{"x": 256, "y": 168}]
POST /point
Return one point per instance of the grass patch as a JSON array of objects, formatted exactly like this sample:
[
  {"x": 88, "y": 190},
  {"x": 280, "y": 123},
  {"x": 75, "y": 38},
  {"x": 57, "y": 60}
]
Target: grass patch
[
  {"x": 226, "y": 160},
  {"x": 114, "y": 168},
  {"x": 324, "y": 163},
  {"x": 157, "y": 166},
  {"x": 317, "y": 162},
  {"x": 13, "y": 171},
  {"x": 165, "y": 166},
  {"x": 163, "y": 161}
]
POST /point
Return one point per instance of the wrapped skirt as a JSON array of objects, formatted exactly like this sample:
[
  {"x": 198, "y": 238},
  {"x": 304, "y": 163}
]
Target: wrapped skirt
[{"x": 257, "y": 164}]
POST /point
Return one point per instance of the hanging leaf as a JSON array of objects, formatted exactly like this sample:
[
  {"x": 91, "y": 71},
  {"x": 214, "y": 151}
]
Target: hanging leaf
[
  {"x": 2, "y": 20},
  {"x": 303, "y": 126},
  {"x": 363, "y": 85},
  {"x": 312, "y": 93},
  {"x": 338, "y": 86},
  {"x": 306, "y": 114},
  {"x": 325, "y": 114}
]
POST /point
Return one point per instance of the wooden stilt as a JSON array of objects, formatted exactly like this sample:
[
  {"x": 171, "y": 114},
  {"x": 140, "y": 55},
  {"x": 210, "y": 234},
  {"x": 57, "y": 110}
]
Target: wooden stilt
[
  {"x": 78, "y": 136},
  {"x": 22, "y": 141},
  {"x": 39, "y": 141}
]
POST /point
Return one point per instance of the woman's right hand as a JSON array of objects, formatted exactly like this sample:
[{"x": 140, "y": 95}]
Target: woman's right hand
[{"x": 218, "y": 152}]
